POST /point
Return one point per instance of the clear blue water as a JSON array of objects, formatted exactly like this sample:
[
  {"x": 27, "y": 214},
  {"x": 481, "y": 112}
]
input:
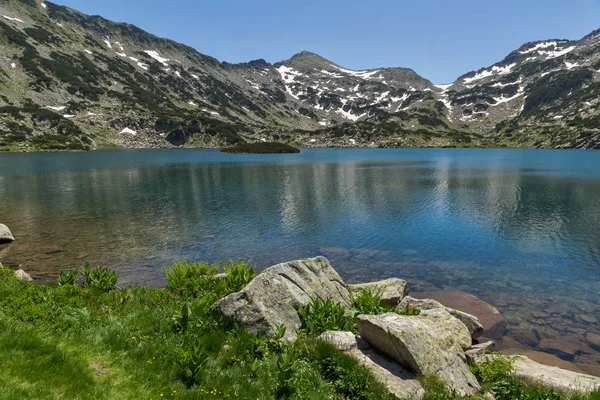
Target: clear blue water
[{"x": 518, "y": 228}]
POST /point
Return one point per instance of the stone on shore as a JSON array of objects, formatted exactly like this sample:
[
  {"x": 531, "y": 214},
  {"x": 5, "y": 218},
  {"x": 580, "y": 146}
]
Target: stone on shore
[
  {"x": 471, "y": 322},
  {"x": 494, "y": 326},
  {"x": 5, "y": 235},
  {"x": 561, "y": 379},
  {"x": 477, "y": 352},
  {"x": 273, "y": 297},
  {"x": 398, "y": 381},
  {"x": 22, "y": 275},
  {"x": 392, "y": 290},
  {"x": 429, "y": 344}
]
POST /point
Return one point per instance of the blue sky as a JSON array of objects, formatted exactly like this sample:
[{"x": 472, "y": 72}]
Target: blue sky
[{"x": 439, "y": 39}]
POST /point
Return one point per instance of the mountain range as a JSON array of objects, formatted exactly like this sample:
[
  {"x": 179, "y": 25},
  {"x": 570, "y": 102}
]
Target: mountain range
[{"x": 69, "y": 81}]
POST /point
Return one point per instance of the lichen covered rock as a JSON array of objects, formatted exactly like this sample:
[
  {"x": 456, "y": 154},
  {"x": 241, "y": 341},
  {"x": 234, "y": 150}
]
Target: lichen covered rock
[
  {"x": 429, "y": 344},
  {"x": 392, "y": 290},
  {"x": 471, "y": 322},
  {"x": 273, "y": 297}
]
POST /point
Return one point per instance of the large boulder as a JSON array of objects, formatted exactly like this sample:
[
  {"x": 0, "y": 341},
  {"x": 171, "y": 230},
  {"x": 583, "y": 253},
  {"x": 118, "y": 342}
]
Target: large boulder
[
  {"x": 273, "y": 297},
  {"x": 398, "y": 381},
  {"x": 5, "y": 235},
  {"x": 392, "y": 290},
  {"x": 471, "y": 322},
  {"x": 432, "y": 343},
  {"x": 494, "y": 326}
]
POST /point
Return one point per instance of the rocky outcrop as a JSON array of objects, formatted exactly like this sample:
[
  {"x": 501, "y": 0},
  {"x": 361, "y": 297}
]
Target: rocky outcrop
[
  {"x": 5, "y": 235},
  {"x": 430, "y": 344},
  {"x": 561, "y": 379},
  {"x": 22, "y": 275},
  {"x": 392, "y": 290},
  {"x": 273, "y": 297},
  {"x": 494, "y": 326},
  {"x": 471, "y": 322},
  {"x": 398, "y": 381}
]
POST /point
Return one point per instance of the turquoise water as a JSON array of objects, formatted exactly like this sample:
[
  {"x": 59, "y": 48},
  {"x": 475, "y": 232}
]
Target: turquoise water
[{"x": 518, "y": 228}]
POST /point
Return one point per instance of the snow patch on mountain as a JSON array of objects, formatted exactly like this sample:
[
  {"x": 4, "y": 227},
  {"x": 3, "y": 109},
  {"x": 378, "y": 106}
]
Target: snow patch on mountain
[
  {"x": 154, "y": 54},
  {"x": 358, "y": 74},
  {"x": 502, "y": 99},
  {"x": 128, "y": 131},
  {"x": 489, "y": 72},
  {"x": 13, "y": 19},
  {"x": 44, "y": 5},
  {"x": 57, "y": 108},
  {"x": 108, "y": 44}
]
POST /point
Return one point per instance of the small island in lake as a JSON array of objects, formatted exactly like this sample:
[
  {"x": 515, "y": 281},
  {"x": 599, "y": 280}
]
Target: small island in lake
[{"x": 261, "y": 148}]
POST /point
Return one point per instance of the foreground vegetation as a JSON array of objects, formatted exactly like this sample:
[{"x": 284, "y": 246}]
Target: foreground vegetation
[
  {"x": 261, "y": 148},
  {"x": 84, "y": 338}
]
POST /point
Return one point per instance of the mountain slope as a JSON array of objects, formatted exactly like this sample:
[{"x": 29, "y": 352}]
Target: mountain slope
[{"x": 72, "y": 81}]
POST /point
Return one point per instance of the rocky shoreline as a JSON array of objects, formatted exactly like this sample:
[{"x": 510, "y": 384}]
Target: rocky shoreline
[
  {"x": 397, "y": 347},
  {"x": 441, "y": 341}
]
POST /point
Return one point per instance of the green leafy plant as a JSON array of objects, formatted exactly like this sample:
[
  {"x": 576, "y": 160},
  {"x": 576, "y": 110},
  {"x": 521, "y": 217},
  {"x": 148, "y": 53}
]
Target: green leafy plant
[
  {"x": 67, "y": 278},
  {"x": 325, "y": 315},
  {"x": 368, "y": 301},
  {"x": 238, "y": 275},
  {"x": 182, "y": 320},
  {"x": 192, "y": 278},
  {"x": 102, "y": 279},
  {"x": 191, "y": 362},
  {"x": 492, "y": 369}
]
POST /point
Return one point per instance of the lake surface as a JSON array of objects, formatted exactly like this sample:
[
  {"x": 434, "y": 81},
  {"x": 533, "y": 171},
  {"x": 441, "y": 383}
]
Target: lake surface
[{"x": 518, "y": 228}]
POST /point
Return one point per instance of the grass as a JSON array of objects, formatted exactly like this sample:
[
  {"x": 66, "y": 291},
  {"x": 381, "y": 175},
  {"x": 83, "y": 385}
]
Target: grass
[
  {"x": 261, "y": 148},
  {"x": 73, "y": 341}
]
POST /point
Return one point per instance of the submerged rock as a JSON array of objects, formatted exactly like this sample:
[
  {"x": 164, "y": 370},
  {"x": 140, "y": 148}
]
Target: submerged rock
[
  {"x": 471, "y": 322},
  {"x": 429, "y": 344},
  {"x": 273, "y": 297},
  {"x": 5, "y": 235},
  {"x": 392, "y": 290}
]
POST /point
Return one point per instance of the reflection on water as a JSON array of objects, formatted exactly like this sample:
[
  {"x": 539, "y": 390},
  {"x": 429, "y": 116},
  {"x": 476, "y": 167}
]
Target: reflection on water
[{"x": 517, "y": 228}]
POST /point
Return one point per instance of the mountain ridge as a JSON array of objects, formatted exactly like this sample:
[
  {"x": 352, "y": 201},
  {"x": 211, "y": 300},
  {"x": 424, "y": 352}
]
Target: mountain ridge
[{"x": 72, "y": 81}]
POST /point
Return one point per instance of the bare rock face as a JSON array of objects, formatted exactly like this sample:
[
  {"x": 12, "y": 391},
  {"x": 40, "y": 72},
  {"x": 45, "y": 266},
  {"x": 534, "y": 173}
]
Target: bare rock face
[
  {"x": 273, "y": 297},
  {"x": 5, "y": 235},
  {"x": 398, "y": 381},
  {"x": 432, "y": 343},
  {"x": 471, "y": 322},
  {"x": 392, "y": 290}
]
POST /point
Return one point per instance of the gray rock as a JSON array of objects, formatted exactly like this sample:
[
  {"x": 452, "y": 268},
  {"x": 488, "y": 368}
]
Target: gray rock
[
  {"x": 22, "y": 275},
  {"x": 5, "y": 235},
  {"x": 429, "y": 344},
  {"x": 478, "y": 351},
  {"x": 561, "y": 379},
  {"x": 392, "y": 290},
  {"x": 398, "y": 381},
  {"x": 343, "y": 341},
  {"x": 471, "y": 322},
  {"x": 274, "y": 296}
]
